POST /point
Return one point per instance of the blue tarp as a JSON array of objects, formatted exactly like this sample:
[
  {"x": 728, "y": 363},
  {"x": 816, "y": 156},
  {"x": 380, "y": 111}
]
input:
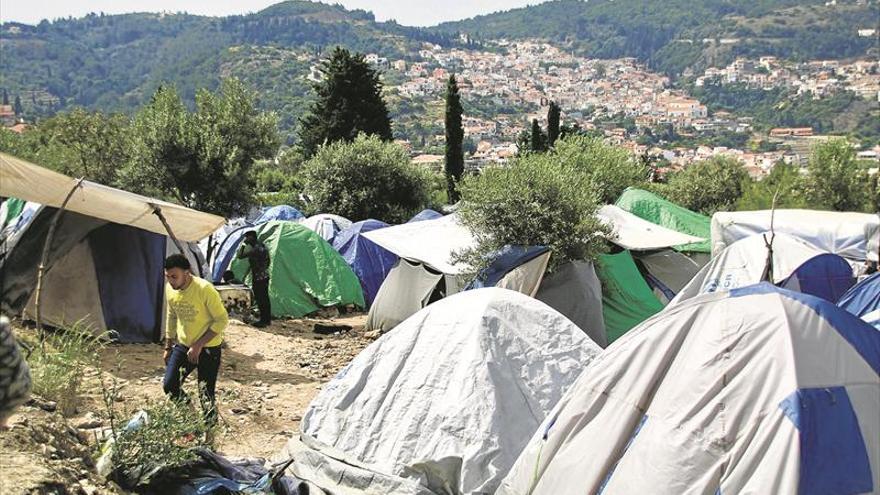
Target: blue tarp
[
  {"x": 369, "y": 261},
  {"x": 226, "y": 251},
  {"x": 506, "y": 260},
  {"x": 425, "y": 215},
  {"x": 128, "y": 266},
  {"x": 280, "y": 212},
  {"x": 863, "y": 297},
  {"x": 827, "y": 276}
]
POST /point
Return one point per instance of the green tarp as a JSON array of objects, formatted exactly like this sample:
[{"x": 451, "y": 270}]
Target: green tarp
[
  {"x": 648, "y": 206},
  {"x": 14, "y": 206},
  {"x": 305, "y": 272},
  {"x": 626, "y": 298}
]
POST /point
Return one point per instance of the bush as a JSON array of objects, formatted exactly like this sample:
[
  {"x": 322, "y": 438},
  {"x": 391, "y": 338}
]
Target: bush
[
  {"x": 608, "y": 169},
  {"x": 367, "y": 178},
  {"x": 708, "y": 186},
  {"x": 835, "y": 180},
  {"x": 537, "y": 200}
]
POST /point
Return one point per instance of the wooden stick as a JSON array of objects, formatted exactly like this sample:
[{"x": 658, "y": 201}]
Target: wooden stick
[
  {"x": 41, "y": 270},
  {"x": 158, "y": 212}
]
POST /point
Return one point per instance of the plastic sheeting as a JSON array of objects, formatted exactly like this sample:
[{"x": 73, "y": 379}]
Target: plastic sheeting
[
  {"x": 305, "y": 272},
  {"x": 30, "y": 182},
  {"x": 653, "y": 208},
  {"x": 736, "y": 392},
  {"x": 633, "y": 233},
  {"x": 742, "y": 263},
  {"x": 327, "y": 225},
  {"x": 450, "y": 397},
  {"x": 854, "y": 236},
  {"x": 574, "y": 290},
  {"x": 431, "y": 242},
  {"x": 369, "y": 261},
  {"x": 626, "y": 298}
]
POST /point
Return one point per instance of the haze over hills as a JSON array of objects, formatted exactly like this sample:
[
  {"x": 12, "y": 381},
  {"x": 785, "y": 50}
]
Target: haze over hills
[{"x": 115, "y": 62}]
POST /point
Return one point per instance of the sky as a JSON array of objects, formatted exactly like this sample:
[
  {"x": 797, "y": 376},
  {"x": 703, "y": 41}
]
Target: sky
[{"x": 407, "y": 12}]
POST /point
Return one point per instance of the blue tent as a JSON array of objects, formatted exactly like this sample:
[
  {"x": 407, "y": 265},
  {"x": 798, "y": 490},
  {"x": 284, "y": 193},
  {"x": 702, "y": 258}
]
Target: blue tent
[
  {"x": 369, "y": 261},
  {"x": 827, "y": 276},
  {"x": 425, "y": 215},
  {"x": 506, "y": 260},
  {"x": 863, "y": 298},
  {"x": 280, "y": 212},
  {"x": 226, "y": 251}
]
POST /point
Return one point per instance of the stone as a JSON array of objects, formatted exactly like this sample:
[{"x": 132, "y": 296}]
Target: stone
[{"x": 89, "y": 421}]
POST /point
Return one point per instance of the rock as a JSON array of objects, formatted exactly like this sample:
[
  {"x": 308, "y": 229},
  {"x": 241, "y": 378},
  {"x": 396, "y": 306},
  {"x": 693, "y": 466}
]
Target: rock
[
  {"x": 296, "y": 417},
  {"x": 373, "y": 334},
  {"x": 46, "y": 405},
  {"x": 89, "y": 421},
  {"x": 271, "y": 395},
  {"x": 239, "y": 410}
]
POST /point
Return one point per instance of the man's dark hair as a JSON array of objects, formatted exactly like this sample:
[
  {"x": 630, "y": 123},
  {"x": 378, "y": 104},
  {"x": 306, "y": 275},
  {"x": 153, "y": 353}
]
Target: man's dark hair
[
  {"x": 250, "y": 234},
  {"x": 177, "y": 261}
]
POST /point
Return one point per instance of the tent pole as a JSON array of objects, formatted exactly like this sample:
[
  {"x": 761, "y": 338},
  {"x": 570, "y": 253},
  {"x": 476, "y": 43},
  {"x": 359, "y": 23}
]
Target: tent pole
[
  {"x": 158, "y": 212},
  {"x": 44, "y": 258}
]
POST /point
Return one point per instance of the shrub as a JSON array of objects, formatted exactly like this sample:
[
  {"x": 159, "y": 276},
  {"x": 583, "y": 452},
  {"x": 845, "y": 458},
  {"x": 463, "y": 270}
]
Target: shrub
[
  {"x": 608, "y": 169},
  {"x": 708, "y": 186}
]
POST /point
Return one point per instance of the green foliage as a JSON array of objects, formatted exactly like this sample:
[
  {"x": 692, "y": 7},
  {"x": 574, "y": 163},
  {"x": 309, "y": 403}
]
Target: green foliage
[
  {"x": 539, "y": 200},
  {"x": 58, "y": 365},
  {"x": 537, "y": 138},
  {"x": 835, "y": 180},
  {"x": 349, "y": 101},
  {"x": 783, "y": 183},
  {"x": 708, "y": 186},
  {"x": 608, "y": 169},
  {"x": 367, "y": 178},
  {"x": 202, "y": 158},
  {"x": 454, "y": 139}
]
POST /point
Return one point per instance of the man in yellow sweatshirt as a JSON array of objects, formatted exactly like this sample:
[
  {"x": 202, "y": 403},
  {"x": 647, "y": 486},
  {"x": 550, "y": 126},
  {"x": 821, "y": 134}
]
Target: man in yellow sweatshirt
[{"x": 196, "y": 319}]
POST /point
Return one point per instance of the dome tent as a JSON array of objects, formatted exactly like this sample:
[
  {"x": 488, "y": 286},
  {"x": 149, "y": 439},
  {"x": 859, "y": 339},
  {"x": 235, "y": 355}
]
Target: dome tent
[
  {"x": 326, "y": 225},
  {"x": 305, "y": 272},
  {"x": 427, "y": 214},
  {"x": 755, "y": 390},
  {"x": 445, "y": 402},
  {"x": 279, "y": 212},
  {"x": 863, "y": 300},
  {"x": 369, "y": 261}
]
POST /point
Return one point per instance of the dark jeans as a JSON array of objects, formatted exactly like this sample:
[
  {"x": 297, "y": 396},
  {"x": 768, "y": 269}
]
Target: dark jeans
[
  {"x": 261, "y": 295},
  {"x": 179, "y": 367}
]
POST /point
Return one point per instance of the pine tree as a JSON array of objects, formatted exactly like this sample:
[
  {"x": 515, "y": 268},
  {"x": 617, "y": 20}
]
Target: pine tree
[
  {"x": 16, "y": 107},
  {"x": 538, "y": 140},
  {"x": 553, "y": 114},
  {"x": 5, "y": 97},
  {"x": 454, "y": 139},
  {"x": 349, "y": 101}
]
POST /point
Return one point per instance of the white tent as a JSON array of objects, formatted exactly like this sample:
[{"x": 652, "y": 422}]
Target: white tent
[
  {"x": 758, "y": 390},
  {"x": 855, "y": 236},
  {"x": 575, "y": 291},
  {"x": 743, "y": 262},
  {"x": 430, "y": 242},
  {"x": 445, "y": 402},
  {"x": 326, "y": 225},
  {"x": 633, "y": 233}
]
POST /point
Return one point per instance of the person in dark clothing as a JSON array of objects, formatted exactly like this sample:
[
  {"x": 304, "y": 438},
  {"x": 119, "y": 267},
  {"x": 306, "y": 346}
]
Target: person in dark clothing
[{"x": 258, "y": 259}]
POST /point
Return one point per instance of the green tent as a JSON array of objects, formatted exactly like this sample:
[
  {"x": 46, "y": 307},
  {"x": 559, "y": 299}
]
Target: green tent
[
  {"x": 626, "y": 298},
  {"x": 13, "y": 208},
  {"x": 305, "y": 272},
  {"x": 648, "y": 206}
]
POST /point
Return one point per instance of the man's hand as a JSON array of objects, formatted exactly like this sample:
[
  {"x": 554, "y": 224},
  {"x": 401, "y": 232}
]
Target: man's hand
[
  {"x": 193, "y": 354},
  {"x": 166, "y": 355}
]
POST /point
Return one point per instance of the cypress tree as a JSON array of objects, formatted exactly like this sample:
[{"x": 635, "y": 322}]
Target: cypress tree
[
  {"x": 16, "y": 107},
  {"x": 454, "y": 139},
  {"x": 5, "y": 97},
  {"x": 538, "y": 140},
  {"x": 553, "y": 114},
  {"x": 349, "y": 101}
]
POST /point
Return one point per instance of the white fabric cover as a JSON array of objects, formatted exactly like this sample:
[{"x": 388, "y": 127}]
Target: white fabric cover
[
  {"x": 742, "y": 263},
  {"x": 326, "y": 225},
  {"x": 575, "y": 291},
  {"x": 689, "y": 401},
  {"x": 70, "y": 292},
  {"x": 432, "y": 242},
  {"x": 30, "y": 182},
  {"x": 851, "y": 235},
  {"x": 450, "y": 397},
  {"x": 527, "y": 277},
  {"x": 633, "y": 233},
  {"x": 672, "y": 268},
  {"x": 405, "y": 291}
]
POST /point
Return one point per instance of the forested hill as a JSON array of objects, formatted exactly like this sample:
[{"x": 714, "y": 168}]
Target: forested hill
[{"x": 671, "y": 35}]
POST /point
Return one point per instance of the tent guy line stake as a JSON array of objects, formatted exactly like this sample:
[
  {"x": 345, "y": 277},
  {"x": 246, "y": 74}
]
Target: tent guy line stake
[
  {"x": 44, "y": 258},
  {"x": 158, "y": 212}
]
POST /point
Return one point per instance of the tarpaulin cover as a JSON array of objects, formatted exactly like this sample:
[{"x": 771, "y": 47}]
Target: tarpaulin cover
[
  {"x": 305, "y": 272},
  {"x": 369, "y": 261},
  {"x": 851, "y": 235},
  {"x": 280, "y": 212},
  {"x": 425, "y": 215},
  {"x": 742, "y": 263},
  {"x": 432, "y": 242},
  {"x": 30, "y": 182},
  {"x": 863, "y": 298},
  {"x": 449, "y": 398},
  {"x": 575, "y": 291},
  {"x": 632, "y": 232},
  {"x": 756, "y": 390},
  {"x": 504, "y": 261},
  {"x": 9, "y": 210},
  {"x": 327, "y": 225},
  {"x": 653, "y": 208},
  {"x": 672, "y": 268},
  {"x": 626, "y": 298},
  {"x": 407, "y": 289}
]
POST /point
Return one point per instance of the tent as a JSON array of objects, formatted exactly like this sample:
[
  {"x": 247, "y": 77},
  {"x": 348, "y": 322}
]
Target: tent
[
  {"x": 105, "y": 260},
  {"x": 863, "y": 300},
  {"x": 575, "y": 291},
  {"x": 305, "y": 272},
  {"x": 280, "y": 212},
  {"x": 796, "y": 265},
  {"x": 445, "y": 402},
  {"x": 627, "y": 300},
  {"x": 653, "y": 208},
  {"x": 369, "y": 261},
  {"x": 327, "y": 225},
  {"x": 209, "y": 245},
  {"x": 427, "y": 214},
  {"x": 855, "y": 236},
  {"x": 226, "y": 250},
  {"x": 756, "y": 390}
]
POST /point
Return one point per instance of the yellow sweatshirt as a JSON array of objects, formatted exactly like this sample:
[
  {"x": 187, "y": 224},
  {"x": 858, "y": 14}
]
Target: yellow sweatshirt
[{"x": 194, "y": 310}]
